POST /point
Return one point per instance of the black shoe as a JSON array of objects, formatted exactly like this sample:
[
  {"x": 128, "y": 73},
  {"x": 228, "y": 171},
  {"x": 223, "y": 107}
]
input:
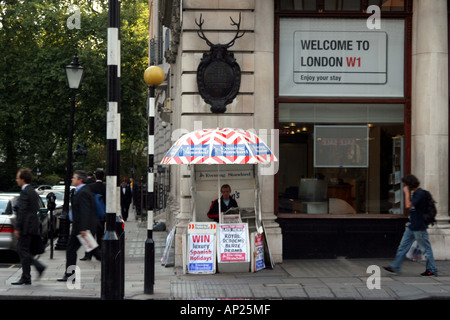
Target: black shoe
[
  {"x": 65, "y": 278},
  {"x": 390, "y": 270},
  {"x": 86, "y": 258},
  {"x": 428, "y": 273},
  {"x": 41, "y": 271},
  {"x": 21, "y": 282}
]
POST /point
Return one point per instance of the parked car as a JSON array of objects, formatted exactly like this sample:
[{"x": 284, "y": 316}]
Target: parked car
[
  {"x": 8, "y": 217},
  {"x": 42, "y": 187},
  {"x": 61, "y": 187}
]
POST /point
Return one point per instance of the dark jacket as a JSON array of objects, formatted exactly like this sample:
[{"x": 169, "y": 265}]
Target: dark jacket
[
  {"x": 125, "y": 199},
  {"x": 98, "y": 187},
  {"x": 83, "y": 211},
  {"x": 27, "y": 222},
  {"x": 213, "y": 212},
  {"x": 418, "y": 199}
]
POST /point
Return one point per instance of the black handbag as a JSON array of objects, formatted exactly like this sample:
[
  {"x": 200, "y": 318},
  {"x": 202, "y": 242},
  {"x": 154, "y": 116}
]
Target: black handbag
[{"x": 37, "y": 245}]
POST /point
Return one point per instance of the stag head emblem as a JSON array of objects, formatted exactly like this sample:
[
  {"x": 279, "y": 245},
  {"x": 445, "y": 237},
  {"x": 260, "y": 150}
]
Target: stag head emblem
[{"x": 218, "y": 74}]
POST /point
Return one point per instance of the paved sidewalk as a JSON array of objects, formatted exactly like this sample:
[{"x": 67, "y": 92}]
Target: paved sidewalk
[{"x": 329, "y": 279}]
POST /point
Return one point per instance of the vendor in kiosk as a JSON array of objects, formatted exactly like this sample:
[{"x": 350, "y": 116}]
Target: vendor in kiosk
[{"x": 226, "y": 202}]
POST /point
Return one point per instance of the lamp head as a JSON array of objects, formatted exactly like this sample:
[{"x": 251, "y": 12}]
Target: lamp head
[{"x": 74, "y": 73}]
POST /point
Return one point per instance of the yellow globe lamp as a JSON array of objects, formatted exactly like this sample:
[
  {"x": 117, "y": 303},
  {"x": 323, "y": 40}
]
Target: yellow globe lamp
[{"x": 154, "y": 76}]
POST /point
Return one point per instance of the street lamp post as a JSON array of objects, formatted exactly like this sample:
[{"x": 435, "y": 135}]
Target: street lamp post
[
  {"x": 74, "y": 74},
  {"x": 113, "y": 264},
  {"x": 153, "y": 76}
]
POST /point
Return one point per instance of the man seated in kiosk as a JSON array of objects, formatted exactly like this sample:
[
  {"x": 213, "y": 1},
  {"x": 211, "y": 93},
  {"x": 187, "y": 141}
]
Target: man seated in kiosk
[{"x": 226, "y": 202}]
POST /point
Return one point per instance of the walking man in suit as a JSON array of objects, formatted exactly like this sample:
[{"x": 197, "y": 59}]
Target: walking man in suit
[
  {"x": 27, "y": 226},
  {"x": 125, "y": 198},
  {"x": 83, "y": 219},
  {"x": 98, "y": 187}
]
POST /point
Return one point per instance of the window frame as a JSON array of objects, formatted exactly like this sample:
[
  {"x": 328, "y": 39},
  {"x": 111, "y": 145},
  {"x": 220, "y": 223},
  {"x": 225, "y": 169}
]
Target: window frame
[{"x": 406, "y": 15}]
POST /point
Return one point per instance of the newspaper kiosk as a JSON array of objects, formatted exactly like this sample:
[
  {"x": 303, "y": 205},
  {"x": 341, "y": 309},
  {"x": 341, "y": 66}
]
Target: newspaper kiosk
[{"x": 236, "y": 245}]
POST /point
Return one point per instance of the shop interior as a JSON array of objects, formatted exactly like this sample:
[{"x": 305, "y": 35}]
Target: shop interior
[{"x": 328, "y": 183}]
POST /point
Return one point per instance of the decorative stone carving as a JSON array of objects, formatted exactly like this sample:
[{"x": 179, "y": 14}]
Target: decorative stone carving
[{"x": 218, "y": 74}]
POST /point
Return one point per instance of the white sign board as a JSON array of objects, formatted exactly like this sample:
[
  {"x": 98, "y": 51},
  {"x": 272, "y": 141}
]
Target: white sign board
[
  {"x": 169, "y": 242},
  {"x": 228, "y": 175},
  {"x": 233, "y": 243},
  {"x": 201, "y": 247},
  {"x": 258, "y": 251},
  {"x": 341, "y": 58},
  {"x": 346, "y": 57}
]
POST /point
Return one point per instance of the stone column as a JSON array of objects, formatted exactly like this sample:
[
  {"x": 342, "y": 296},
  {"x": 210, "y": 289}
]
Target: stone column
[
  {"x": 429, "y": 140},
  {"x": 264, "y": 118}
]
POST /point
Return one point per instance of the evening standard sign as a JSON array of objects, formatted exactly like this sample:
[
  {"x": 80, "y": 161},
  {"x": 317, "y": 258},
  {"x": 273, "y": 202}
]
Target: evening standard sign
[
  {"x": 201, "y": 252},
  {"x": 233, "y": 243},
  {"x": 340, "y": 57}
]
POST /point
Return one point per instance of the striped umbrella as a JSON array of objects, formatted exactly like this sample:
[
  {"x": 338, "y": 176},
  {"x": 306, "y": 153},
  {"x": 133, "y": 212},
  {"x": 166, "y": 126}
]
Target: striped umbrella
[{"x": 219, "y": 146}]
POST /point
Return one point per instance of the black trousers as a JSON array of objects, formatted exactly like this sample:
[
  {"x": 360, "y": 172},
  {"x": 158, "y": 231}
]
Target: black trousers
[
  {"x": 125, "y": 209},
  {"x": 71, "y": 252},
  {"x": 26, "y": 258}
]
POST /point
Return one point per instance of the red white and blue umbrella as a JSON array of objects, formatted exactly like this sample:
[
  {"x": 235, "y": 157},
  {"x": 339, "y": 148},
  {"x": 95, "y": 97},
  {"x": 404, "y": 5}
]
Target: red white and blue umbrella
[{"x": 219, "y": 146}]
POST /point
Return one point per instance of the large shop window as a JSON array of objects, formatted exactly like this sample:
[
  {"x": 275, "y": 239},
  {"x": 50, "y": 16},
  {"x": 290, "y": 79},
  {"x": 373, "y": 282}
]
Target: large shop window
[
  {"x": 342, "y": 156},
  {"x": 340, "y": 159}
]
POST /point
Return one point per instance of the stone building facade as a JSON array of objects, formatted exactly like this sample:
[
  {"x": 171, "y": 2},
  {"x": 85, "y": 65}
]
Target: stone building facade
[{"x": 417, "y": 114}]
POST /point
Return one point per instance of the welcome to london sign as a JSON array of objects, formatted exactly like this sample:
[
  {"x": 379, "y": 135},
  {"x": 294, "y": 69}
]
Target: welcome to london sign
[{"x": 341, "y": 57}]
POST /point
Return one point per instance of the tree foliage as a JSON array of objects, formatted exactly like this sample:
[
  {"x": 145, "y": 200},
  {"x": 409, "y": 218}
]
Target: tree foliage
[{"x": 35, "y": 44}]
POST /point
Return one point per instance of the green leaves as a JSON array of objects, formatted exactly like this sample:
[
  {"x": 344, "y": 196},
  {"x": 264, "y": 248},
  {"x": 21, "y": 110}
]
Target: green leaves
[{"x": 35, "y": 44}]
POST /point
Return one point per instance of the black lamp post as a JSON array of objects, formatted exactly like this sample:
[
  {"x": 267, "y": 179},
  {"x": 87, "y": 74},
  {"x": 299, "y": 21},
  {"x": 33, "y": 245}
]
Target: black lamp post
[
  {"x": 153, "y": 76},
  {"x": 74, "y": 74}
]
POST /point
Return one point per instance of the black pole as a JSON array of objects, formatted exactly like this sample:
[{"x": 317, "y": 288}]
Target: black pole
[
  {"x": 149, "y": 269},
  {"x": 111, "y": 283},
  {"x": 51, "y": 206},
  {"x": 120, "y": 226},
  {"x": 52, "y": 233},
  {"x": 110, "y": 288},
  {"x": 64, "y": 222}
]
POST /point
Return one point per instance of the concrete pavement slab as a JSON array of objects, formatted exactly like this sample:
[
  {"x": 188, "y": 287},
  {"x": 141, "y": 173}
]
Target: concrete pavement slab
[
  {"x": 313, "y": 279},
  {"x": 293, "y": 292},
  {"x": 373, "y": 294},
  {"x": 342, "y": 291},
  {"x": 319, "y": 292}
]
